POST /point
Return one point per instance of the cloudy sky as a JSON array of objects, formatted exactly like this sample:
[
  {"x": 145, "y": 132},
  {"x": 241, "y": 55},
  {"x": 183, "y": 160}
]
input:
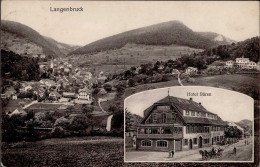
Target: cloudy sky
[
  {"x": 229, "y": 105},
  {"x": 236, "y": 20}
]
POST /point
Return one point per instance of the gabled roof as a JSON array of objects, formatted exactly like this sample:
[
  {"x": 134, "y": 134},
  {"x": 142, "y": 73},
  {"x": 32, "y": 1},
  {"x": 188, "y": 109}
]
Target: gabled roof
[
  {"x": 183, "y": 103},
  {"x": 179, "y": 104},
  {"x": 84, "y": 90}
]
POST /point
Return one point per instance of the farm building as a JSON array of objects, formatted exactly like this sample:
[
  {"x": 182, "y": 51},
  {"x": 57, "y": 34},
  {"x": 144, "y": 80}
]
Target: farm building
[
  {"x": 191, "y": 71},
  {"x": 178, "y": 124}
]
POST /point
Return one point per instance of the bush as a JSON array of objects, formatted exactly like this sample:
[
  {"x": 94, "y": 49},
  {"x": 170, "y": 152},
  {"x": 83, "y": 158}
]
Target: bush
[
  {"x": 58, "y": 132},
  {"x": 131, "y": 82},
  {"x": 78, "y": 123},
  {"x": 62, "y": 122},
  {"x": 108, "y": 87}
]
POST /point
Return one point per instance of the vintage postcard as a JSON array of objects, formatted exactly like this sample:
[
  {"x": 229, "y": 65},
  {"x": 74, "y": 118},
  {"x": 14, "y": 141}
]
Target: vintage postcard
[{"x": 129, "y": 83}]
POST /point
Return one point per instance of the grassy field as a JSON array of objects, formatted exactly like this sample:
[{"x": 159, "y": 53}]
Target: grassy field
[
  {"x": 231, "y": 82},
  {"x": 43, "y": 107},
  {"x": 131, "y": 55},
  {"x": 81, "y": 151},
  {"x": 13, "y": 104}
]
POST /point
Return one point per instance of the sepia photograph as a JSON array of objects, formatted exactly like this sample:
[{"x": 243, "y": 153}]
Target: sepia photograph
[
  {"x": 129, "y": 83},
  {"x": 190, "y": 123}
]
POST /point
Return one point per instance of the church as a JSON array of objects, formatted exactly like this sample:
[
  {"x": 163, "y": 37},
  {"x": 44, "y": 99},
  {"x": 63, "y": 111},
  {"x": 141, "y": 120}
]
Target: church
[{"x": 178, "y": 124}]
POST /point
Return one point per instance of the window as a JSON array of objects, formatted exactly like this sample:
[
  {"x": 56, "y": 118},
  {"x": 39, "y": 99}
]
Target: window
[
  {"x": 173, "y": 117},
  {"x": 198, "y": 114},
  {"x": 161, "y": 143},
  {"x": 155, "y": 131},
  {"x": 192, "y": 129},
  {"x": 185, "y": 142},
  {"x": 206, "y": 141},
  {"x": 154, "y": 117},
  {"x": 192, "y": 113},
  {"x": 180, "y": 130},
  {"x": 163, "y": 118},
  {"x": 187, "y": 112},
  {"x": 166, "y": 130},
  {"x": 195, "y": 141},
  {"x": 140, "y": 131},
  {"x": 146, "y": 143},
  {"x": 187, "y": 129}
]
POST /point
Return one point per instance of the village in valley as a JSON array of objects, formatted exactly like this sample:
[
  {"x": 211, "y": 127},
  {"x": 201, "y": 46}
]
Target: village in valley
[{"x": 66, "y": 104}]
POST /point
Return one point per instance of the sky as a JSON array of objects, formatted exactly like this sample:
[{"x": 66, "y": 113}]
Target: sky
[
  {"x": 229, "y": 105},
  {"x": 235, "y": 19}
]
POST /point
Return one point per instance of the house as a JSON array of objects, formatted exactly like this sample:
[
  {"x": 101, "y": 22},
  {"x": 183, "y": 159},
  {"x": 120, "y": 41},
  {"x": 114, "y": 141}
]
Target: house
[
  {"x": 86, "y": 75},
  {"x": 38, "y": 91},
  {"x": 42, "y": 56},
  {"x": 229, "y": 64},
  {"x": 84, "y": 96},
  {"x": 101, "y": 74},
  {"x": 191, "y": 71},
  {"x": 233, "y": 124},
  {"x": 35, "y": 56},
  {"x": 130, "y": 139},
  {"x": 10, "y": 93},
  {"x": 66, "y": 70},
  {"x": 175, "y": 71},
  {"x": 177, "y": 124},
  {"x": 242, "y": 62},
  {"x": 258, "y": 66},
  {"x": 68, "y": 95},
  {"x": 55, "y": 95},
  {"x": 251, "y": 65},
  {"x": 47, "y": 82},
  {"x": 18, "y": 111},
  {"x": 27, "y": 88}
]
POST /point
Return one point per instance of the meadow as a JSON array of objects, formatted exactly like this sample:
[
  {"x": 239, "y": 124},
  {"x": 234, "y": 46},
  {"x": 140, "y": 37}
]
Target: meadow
[{"x": 130, "y": 55}]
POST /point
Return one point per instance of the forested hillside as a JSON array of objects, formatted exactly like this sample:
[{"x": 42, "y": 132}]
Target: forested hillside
[{"x": 18, "y": 67}]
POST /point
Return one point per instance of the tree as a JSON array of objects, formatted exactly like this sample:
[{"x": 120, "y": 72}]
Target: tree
[
  {"x": 131, "y": 82},
  {"x": 87, "y": 109},
  {"x": 128, "y": 120},
  {"x": 108, "y": 87}
]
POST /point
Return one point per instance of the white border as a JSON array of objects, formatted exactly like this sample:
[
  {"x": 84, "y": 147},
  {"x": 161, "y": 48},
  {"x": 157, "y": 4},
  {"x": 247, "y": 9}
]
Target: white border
[{"x": 253, "y": 132}]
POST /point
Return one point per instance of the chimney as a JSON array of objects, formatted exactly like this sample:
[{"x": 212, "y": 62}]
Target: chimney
[{"x": 190, "y": 99}]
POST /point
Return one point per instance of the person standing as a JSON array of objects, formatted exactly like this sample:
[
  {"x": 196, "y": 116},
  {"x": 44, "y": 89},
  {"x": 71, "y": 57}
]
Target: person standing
[
  {"x": 172, "y": 153},
  {"x": 235, "y": 150}
]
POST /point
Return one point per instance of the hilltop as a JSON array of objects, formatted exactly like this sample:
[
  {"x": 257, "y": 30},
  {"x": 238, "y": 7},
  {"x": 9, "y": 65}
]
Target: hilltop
[
  {"x": 22, "y": 40},
  {"x": 164, "y": 34}
]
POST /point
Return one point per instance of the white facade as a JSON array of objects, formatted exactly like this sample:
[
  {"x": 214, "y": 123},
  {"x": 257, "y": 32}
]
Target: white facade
[
  {"x": 229, "y": 64},
  {"x": 191, "y": 70},
  {"x": 84, "y": 96}
]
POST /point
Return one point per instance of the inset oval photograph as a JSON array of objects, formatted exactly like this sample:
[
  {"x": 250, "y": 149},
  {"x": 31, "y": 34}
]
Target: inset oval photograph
[{"x": 189, "y": 124}]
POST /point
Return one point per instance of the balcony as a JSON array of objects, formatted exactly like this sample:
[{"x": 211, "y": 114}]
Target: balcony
[
  {"x": 160, "y": 136},
  {"x": 160, "y": 132}
]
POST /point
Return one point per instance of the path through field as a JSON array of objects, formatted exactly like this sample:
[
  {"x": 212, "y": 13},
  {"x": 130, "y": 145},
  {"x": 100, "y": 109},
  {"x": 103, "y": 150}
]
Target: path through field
[{"x": 28, "y": 105}]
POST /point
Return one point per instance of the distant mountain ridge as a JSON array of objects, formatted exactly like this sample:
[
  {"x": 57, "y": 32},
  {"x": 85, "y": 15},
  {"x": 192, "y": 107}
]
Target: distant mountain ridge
[
  {"x": 22, "y": 39},
  {"x": 167, "y": 33}
]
